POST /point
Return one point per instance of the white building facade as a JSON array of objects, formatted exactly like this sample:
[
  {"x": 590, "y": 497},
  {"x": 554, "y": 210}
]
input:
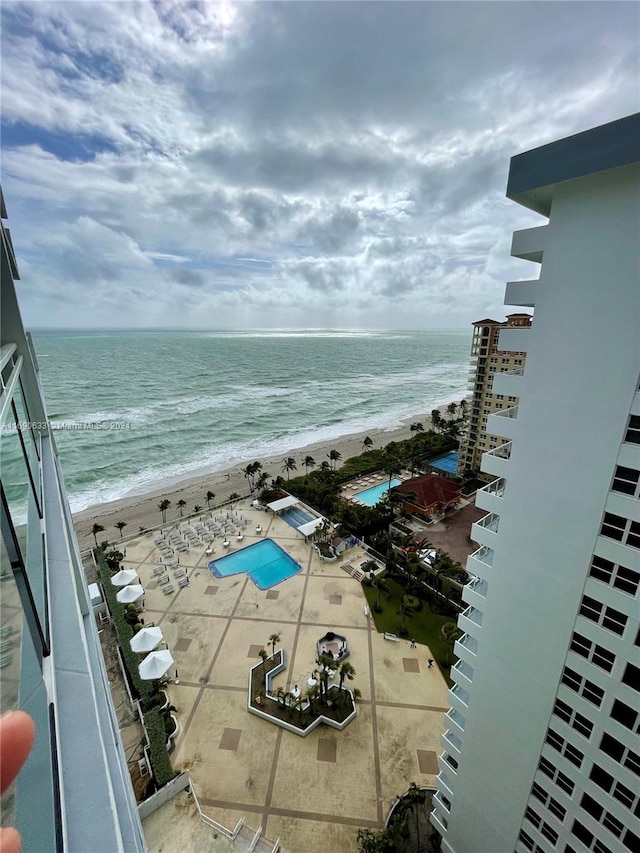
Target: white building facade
[{"x": 542, "y": 750}]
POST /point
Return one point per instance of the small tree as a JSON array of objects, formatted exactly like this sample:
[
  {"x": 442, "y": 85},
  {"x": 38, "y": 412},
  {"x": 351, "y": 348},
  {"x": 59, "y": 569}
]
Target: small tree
[
  {"x": 263, "y": 655},
  {"x": 181, "y": 505},
  {"x": 289, "y": 464},
  {"x": 334, "y": 456},
  {"x": 121, "y": 526},
  {"x": 163, "y": 506},
  {"x": 367, "y": 444},
  {"x": 210, "y": 496},
  {"x": 197, "y": 508},
  {"x": 346, "y": 671},
  {"x": 450, "y": 633},
  {"x": 273, "y": 639},
  {"x": 97, "y": 528},
  {"x": 417, "y": 427},
  {"x": 309, "y": 462}
]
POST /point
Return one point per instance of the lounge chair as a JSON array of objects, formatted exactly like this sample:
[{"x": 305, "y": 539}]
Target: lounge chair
[
  {"x": 167, "y": 590},
  {"x": 164, "y": 580},
  {"x": 179, "y": 573},
  {"x": 183, "y": 582}
]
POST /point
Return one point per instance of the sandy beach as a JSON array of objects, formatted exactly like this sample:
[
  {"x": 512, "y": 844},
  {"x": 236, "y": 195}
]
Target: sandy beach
[{"x": 142, "y": 510}]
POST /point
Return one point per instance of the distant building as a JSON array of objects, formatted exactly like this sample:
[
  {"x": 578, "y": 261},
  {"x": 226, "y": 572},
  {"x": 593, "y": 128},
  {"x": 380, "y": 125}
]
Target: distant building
[
  {"x": 487, "y": 361},
  {"x": 542, "y": 748},
  {"x": 430, "y": 494}
]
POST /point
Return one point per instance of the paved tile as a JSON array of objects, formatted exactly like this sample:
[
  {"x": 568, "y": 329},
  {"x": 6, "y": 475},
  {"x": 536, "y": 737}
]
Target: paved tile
[
  {"x": 181, "y": 644},
  {"x": 327, "y": 749},
  {"x": 427, "y": 761},
  {"x": 272, "y": 594},
  {"x": 230, "y": 739},
  {"x": 410, "y": 665},
  {"x": 211, "y": 590}
]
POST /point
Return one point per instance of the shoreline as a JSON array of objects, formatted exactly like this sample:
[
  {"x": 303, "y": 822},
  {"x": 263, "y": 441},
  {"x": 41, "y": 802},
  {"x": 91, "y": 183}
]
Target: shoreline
[{"x": 141, "y": 510}]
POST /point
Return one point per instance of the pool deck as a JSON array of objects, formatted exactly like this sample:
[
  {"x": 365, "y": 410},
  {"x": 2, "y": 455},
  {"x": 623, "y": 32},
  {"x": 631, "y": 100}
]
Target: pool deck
[{"x": 313, "y": 793}]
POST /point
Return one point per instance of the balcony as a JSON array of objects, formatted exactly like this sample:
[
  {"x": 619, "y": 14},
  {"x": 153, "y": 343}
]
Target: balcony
[
  {"x": 462, "y": 673},
  {"x": 447, "y": 763},
  {"x": 456, "y": 719},
  {"x": 438, "y": 820},
  {"x": 503, "y": 422},
  {"x": 523, "y": 293},
  {"x": 514, "y": 340},
  {"x": 496, "y": 461},
  {"x": 528, "y": 244},
  {"x": 444, "y": 784},
  {"x": 490, "y": 497},
  {"x": 451, "y": 742},
  {"x": 485, "y": 531},
  {"x": 470, "y": 621},
  {"x": 508, "y": 383},
  {"x": 460, "y": 696},
  {"x": 466, "y": 648},
  {"x": 481, "y": 561},
  {"x": 475, "y": 593}
]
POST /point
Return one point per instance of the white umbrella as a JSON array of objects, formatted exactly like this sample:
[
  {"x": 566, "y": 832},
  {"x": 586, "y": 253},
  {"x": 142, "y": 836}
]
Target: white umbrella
[
  {"x": 146, "y": 639},
  {"x": 124, "y": 577},
  {"x": 155, "y": 665},
  {"x": 130, "y": 593}
]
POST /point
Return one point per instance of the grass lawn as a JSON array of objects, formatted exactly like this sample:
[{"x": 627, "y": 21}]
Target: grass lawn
[{"x": 423, "y": 626}]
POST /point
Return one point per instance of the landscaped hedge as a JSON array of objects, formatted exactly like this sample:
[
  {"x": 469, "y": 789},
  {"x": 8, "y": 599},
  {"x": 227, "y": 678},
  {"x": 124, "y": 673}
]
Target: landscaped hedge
[
  {"x": 143, "y": 690},
  {"x": 156, "y": 732}
]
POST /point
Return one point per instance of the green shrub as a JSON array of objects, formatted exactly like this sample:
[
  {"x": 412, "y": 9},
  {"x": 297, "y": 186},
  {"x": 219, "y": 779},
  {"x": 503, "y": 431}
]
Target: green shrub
[{"x": 162, "y": 770}]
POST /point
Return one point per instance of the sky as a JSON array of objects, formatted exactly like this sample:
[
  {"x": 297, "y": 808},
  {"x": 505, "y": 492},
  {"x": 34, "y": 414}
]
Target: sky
[{"x": 226, "y": 165}]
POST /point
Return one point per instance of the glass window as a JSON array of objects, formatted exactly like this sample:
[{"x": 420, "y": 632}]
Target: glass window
[
  {"x": 613, "y": 526},
  {"x": 633, "y": 430},
  {"x": 631, "y": 677},
  {"x": 625, "y": 480}
]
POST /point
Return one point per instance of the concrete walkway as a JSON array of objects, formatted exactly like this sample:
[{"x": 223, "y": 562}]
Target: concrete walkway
[{"x": 312, "y": 793}]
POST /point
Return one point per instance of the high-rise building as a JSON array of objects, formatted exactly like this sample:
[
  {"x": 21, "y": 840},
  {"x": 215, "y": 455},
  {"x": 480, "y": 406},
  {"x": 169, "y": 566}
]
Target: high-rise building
[
  {"x": 74, "y": 792},
  {"x": 487, "y": 361},
  {"x": 542, "y": 749}
]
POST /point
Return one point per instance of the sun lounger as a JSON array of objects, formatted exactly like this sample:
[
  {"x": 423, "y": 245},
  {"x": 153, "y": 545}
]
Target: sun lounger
[
  {"x": 164, "y": 580},
  {"x": 183, "y": 582},
  {"x": 168, "y": 590},
  {"x": 179, "y": 573},
  {"x": 160, "y": 570}
]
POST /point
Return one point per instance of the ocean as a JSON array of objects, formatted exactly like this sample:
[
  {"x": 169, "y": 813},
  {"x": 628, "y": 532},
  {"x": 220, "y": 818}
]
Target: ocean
[{"x": 172, "y": 405}]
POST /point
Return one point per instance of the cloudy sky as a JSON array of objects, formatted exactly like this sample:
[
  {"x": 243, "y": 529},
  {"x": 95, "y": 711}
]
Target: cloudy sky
[{"x": 269, "y": 165}]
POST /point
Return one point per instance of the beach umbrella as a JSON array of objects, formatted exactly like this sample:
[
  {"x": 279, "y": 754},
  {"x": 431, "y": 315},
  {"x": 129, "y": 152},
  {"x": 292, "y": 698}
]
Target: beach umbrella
[
  {"x": 146, "y": 639},
  {"x": 124, "y": 577},
  {"x": 155, "y": 665},
  {"x": 129, "y": 594}
]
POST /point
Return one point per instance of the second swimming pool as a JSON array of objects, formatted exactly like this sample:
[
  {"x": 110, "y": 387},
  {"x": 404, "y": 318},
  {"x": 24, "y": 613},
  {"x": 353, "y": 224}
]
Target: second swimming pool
[{"x": 372, "y": 496}]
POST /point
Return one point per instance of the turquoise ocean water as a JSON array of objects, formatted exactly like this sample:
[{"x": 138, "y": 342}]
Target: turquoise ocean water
[{"x": 180, "y": 404}]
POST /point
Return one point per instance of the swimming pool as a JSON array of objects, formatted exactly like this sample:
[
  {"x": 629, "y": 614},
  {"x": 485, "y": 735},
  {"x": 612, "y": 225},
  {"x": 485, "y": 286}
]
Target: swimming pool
[
  {"x": 265, "y": 562},
  {"x": 372, "y": 496},
  {"x": 448, "y": 463},
  {"x": 296, "y": 516}
]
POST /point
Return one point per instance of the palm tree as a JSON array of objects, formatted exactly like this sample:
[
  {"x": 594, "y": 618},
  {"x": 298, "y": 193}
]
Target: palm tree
[
  {"x": 234, "y": 496},
  {"x": 452, "y": 408},
  {"x": 391, "y": 466},
  {"x": 367, "y": 443},
  {"x": 97, "y": 528},
  {"x": 450, "y": 633},
  {"x": 309, "y": 462},
  {"x": 197, "y": 508},
  {"x": 163, "y": 506},
  {"x": 346, "y": 671},
  {"x": 121, "y": 525},
  {"x": 248, "y": 473},
  {"x": 263, "y": 654},
  {"x": 210, "y": 496},
  {"x": 289, "y": 465},
  {"x": 324, "y": 465},
  {"x": 256, "y": 467},
  {"x": 334, "y": 456},
  {"x": 415, "y": 797},
  {"x": 436, "y": 419},
  {"x": 462, "y": 406},
  {"x": 273, "y": 639},
  {"x": 417, "y": 427},
  {"x": 262, "y": 480},
  {"x": 181, "y": 505}
]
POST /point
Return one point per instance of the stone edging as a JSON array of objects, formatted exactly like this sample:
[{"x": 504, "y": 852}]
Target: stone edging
[{"x": 276, "y": 670}]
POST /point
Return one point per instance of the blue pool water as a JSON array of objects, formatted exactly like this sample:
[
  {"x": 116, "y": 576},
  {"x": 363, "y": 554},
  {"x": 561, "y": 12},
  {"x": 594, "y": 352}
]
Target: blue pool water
[
  {"x": 296, "y": 516},
  {"x": 448, "y": 463},
  {"x": 371, "y": 496},
  {"x": 265, "y": 562}
]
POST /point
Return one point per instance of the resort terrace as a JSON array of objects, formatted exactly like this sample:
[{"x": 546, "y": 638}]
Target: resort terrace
[{"x": 313, "y": 792}]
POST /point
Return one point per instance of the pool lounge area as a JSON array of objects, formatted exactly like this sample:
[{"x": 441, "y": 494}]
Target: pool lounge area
[{"x": 264, "y": 562}]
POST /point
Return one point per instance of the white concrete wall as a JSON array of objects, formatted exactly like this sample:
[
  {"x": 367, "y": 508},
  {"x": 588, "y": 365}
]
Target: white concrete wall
[{"x": 580, "y": 379}]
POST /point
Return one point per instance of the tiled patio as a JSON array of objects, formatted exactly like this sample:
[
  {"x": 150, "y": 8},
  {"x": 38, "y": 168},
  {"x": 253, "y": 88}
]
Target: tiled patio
[{"x": 312, "y": 792}]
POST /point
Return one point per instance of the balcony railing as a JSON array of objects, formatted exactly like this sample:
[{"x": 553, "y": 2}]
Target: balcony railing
[
  {"x": 479, "y": 585},
  {"x": 461, "y": 693},
  {"x": 489, "y": 522},
  {"x": 501, "y": 452},
  {"x": 452, "y": 739},
  {"x": 484, "y": 555},
  {"x": 473, "y": 615},
  {"x": 496, "y": 488},
  {"x": 511, "y": 412},
  {"x": 463, "y": 667},
  {"x": 468, "y": 642}
]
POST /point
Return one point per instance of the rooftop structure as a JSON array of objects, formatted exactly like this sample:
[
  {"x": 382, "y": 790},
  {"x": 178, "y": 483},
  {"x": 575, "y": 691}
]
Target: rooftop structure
[{"x": 542, "y": 750}]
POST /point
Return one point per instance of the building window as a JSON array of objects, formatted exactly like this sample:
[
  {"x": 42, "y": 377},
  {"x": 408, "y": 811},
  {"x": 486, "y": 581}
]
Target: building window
[
  {"x": 625, "y": 756},
  {"x": 548, "y": 801},
  {"x": 557, "y": 776},
  {"x": 615, "y": 527},
  {"x": 566, "y": 749},
  {"x": 608, "y": 617},
  {"x": 577, "y": 721},
  {"x": 626, "y": 480},
  {"x": 633, "y": 430},
  {"x": 631, "y": 677},
  {"x": 585, "y": 688},
  {"x": 625, "y": 579},
  {"x": 592, "y": 651},
  {"x": 625, "y": 715}
]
